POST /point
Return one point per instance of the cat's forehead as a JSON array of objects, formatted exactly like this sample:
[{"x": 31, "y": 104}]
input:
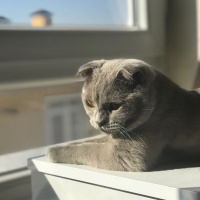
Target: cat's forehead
[
  {"x": 104, "y": 95},
  {"x": 103, "y": 80},
  {"x": 104, "y": 89},
  {"x": 111, "y": 67},
  {"x": 107, "y": 73}
]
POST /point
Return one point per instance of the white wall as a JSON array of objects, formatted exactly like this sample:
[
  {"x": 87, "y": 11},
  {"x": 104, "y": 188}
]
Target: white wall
[{"x": 181, "y": 37}]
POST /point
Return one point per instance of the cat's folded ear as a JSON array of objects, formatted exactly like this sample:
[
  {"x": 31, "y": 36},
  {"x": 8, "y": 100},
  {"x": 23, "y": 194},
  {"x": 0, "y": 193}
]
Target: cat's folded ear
[
  {"x": 86, "y": 70},
  {"x": 131, "y": 75},
  {"x": 136, "y": 74}
]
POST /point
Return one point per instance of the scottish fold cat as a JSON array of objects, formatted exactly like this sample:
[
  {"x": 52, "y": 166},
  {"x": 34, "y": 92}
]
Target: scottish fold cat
[{"x": 141, "y": 113}]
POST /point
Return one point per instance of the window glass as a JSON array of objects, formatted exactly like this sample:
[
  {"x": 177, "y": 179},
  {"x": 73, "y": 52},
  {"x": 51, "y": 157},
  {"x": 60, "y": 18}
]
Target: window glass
[
  {"x": 31, "y": 118},
  {"x": 42, "y": 113},
  {"x": 39, "y": 13}
]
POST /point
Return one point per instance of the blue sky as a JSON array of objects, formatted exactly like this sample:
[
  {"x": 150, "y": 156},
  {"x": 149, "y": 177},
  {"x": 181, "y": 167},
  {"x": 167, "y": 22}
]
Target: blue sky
[{"x": 91, "y": 12}]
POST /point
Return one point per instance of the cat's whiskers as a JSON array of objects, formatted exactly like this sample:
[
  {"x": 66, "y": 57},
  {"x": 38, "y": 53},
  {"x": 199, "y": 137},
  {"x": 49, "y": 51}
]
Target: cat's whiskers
[
  {"x": 123, "y": 134},
  {"x": 115, "y": 125},
  {"x": 127, "y": 133}
]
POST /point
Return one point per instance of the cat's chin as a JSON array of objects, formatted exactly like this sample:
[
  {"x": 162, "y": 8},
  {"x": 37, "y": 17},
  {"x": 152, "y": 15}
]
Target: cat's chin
[{"x": 106, "y": 131}]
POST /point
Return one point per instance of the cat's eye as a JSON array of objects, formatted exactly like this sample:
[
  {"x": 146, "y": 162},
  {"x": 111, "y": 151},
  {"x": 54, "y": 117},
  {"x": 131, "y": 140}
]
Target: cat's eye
[
  {"x": 113, "y": 106},
  {"x": 90, "y": 103}
]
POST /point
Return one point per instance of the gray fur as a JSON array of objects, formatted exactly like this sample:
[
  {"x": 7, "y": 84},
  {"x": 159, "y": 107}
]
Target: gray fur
[{"x": 141, "y": 113}]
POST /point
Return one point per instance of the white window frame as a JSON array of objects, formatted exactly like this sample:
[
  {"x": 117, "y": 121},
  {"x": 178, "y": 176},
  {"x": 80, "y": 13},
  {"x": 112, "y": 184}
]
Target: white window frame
[{"x": 33, "y": 54}]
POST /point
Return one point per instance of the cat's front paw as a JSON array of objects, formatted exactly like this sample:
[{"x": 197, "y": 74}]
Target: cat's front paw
[{"x": 53, "y": 154}]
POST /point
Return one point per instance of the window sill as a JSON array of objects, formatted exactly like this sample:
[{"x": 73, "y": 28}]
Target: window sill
[
  {"x": 74, "y": 28},
  {"x": 24, "y": 85},
  {"x": 65, "y": 180}
]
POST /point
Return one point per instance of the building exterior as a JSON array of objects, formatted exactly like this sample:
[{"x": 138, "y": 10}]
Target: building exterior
[
  {"x": 4, "y": 21},
  {"x": 41, "y": 18}
]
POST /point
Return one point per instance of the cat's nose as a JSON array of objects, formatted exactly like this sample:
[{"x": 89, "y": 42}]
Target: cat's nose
[{"x": 102, "y": 122}]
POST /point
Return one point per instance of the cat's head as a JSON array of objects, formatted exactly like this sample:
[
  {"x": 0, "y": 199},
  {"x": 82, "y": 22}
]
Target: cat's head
[{"x": 117, "y": 93}]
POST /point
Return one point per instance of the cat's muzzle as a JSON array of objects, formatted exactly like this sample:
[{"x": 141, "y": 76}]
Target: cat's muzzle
[{"x": 110, "y": 128}]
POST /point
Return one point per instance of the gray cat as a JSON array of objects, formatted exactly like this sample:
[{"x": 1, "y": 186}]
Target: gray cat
[{"x": 141, "y": 113}]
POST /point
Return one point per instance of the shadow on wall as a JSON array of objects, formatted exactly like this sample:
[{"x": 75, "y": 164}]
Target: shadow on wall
[
  {"x": 197, "y": 79},
  {"x": 43, "y": 190},
  {"x": 185, "y": 195}
]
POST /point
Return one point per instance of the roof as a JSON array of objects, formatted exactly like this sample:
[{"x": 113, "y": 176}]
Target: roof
[
  {"x": 42, "y": 12},
  {"x": 4, "y": 20}
]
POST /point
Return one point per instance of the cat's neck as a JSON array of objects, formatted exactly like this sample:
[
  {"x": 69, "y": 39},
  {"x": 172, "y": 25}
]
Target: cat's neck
[
  {"x": 177, "y": 102},
  {"x": 176, "y": 109}
]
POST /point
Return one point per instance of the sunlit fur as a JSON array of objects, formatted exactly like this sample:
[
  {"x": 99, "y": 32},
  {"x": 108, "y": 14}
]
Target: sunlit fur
[{"x": 146, "y": 119}]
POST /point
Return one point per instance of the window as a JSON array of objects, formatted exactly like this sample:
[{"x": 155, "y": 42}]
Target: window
[
  {"x": 73, "y": 13},
  {"x": 39, "y": 62}
]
